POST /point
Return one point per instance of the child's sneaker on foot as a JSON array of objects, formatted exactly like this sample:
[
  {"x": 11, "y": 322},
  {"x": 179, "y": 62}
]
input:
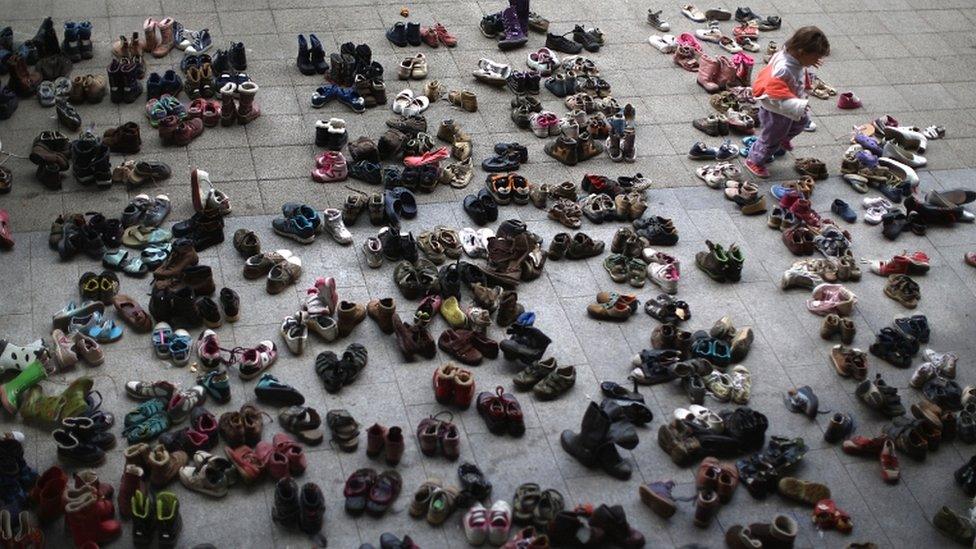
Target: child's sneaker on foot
[{"x": 757, "y": 170}]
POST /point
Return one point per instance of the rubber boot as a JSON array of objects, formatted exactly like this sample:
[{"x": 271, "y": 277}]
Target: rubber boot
[
  {"x": 594, "y": 430},
  {"x": 522, "y": 8},
  {"x": 10, "y": 391},
  {"x": 130, "y": 483},
  {"x": 85, "y": 523}
]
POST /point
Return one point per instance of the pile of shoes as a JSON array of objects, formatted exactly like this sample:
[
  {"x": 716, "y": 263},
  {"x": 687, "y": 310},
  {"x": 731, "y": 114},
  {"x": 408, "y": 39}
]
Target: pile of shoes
[
  {"x": 584, "y": 526},
  {"x": 810, "y": 273},
  {"x": 91, "y": 162},
  {"x": 760, "y": 472},
  {"x": 897, "y": 344},
  {"x": 703, "y": 432},
  {"x": 177, "y": 283},
  {"x": 356, "y": 80},
  {"x": 604, "y": 427},
  {"x": 51, "y": 153},
  {"x": 511, "y": 26},
  {"x": 728, "y": 177}
]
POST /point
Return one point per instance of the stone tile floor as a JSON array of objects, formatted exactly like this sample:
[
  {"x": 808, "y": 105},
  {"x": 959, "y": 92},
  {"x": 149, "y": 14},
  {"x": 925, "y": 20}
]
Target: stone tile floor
[{"x": 913, "y": 59}]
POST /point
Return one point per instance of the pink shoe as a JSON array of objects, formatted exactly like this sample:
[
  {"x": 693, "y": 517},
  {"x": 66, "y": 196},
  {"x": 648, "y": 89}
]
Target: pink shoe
[
  {"x": 431, "y": 157},
  {"x": 688, "y": 39},
  {"x": 327, "y": 289},
  {"x": 831, "y": 298},
  {"x": 848, "y": 100},
  {"x": 757, "y": 170}
]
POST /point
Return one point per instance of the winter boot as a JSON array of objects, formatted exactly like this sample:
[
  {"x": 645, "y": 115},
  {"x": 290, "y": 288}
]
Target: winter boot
[
  {"x": 708, "y": 73},
  {"x": 247, "y": 109}
]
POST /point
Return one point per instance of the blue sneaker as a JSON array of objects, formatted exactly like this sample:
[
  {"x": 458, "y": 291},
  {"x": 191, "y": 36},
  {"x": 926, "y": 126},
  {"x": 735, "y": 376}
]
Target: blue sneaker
[
  {"x": 201, "y": 43},
  {"x": 526, "y": 319},
  {"x": 147, "y": 430},
  {"x": 144, "y": 411},
  {"x": 179, "y": 347},
  {"x": 84, "y": 40},
  {"x": 297, "y": 228},
  {"x": 324, "y": 94},
  {"x": 779, "y": 191},
  {"x": 700, "y": 151}
]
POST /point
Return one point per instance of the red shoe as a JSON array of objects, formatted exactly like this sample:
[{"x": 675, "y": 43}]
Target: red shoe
[
  {"x": 757, "y": 170},
  {"x": 919, "y": 262},
  {"x": 287, "y": 446},
  {"x": 897, "y": 265},
  {"x": 6, "y": 235},
  {"x": 863, "y": 446},
  {"x": 48, "y": 492},
  {"x": 890, "y": 470},
  {"x": 848, "y": 100},
  {"x": 247, "y": 462},
  {"x": 444, "y": 383},
  {"x": 445, "y": 37}
]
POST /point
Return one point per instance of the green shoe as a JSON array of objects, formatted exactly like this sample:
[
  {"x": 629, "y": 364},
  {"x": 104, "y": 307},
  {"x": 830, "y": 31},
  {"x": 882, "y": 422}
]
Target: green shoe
[
  {"x": 556, "y": 383},
  {"x": 41, "y": 410},
  {"x": 144, "y": 411},
  {"x": 147, "y": 430},
  {"x": 714, "y": 262},
  {"x": 74, "y": 397},
  {"x": 11, "y": 390},
  {"x": 534, "y": 373}
]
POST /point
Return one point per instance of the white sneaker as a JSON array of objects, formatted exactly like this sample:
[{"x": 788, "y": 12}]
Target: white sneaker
[
  {"x": 664, "y": 44},
  {"x": 707, "y": 417},
  {"x": 373, "y": 249},
  {"x": 719, "y": 384},
  {"x": 332, "y": 221},
  {"x": 797, "y": 277},
  {"x": 876, "y": 201},
  {"x": 476, "y": 524},
  {"x": 665, "y": 276},
  {"x": 923, "y": 373},
  {"x": 471, "y": 244},
  {"x": 499, "y": 522},
  {"x": 945, "y": 363},
  {"x": 711, "y": 34}
]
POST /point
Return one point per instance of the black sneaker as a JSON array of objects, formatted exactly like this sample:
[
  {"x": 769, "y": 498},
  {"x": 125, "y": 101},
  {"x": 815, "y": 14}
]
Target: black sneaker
[
  {"x": 209, "y": 312},
  {"x": 585, "y": 39},
  {"x": 231, "y": 303},
  {"x": 491, "y": 25},
  {"x": 562, "y": 44}
]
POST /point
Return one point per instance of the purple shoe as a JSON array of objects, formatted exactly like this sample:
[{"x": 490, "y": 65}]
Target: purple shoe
[
  {"x": 514, "y": 35},
  {"x": 867, "y": 159},
  {"x": 868, "y": 142}
]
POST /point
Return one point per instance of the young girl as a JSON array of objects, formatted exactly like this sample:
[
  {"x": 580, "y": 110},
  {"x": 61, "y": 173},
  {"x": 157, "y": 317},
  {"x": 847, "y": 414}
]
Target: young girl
[{"x": 781, "y": 89}]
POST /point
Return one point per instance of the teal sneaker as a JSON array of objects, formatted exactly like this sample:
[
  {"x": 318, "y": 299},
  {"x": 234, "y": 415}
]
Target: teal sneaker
[
  {"x": 147, "y": 430},
  {"x": 145, "y": 411}
]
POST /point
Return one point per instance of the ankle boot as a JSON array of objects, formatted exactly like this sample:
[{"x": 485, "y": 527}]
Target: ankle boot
[
  {"x": 563, "y": 149},
  {"x": 200, "y": 279},
  {"x": 286, "y": 510},
  {"x": 247, "y": 110},
  {"x": 508, "y": 308},
  {"x": 10, "y": 391},
  {"x": 22, "y": 80},
  {"x": 182, "y": 256},
  {"x": 164, "y": 465},
  {"x": 125, "y": 139},
  {"x": 84, "y": 40},
  {"x": 628, "y": 145},
  {"x": 395, "y": 446},
  {"x": 348, "y": 316},
  {"x": 593, "y": 433},
  {"x": 70, "y": 45},
  {"x": 708, "y": 73},
  {"x": 705, "y": 508},
  {"x": 130, "y": 483},
  {"x": 101, "y": 166},
  {"x": 613, "y": 147},
  {"x": 228, "y": 109},
  {"x": 382, "y": 311}
]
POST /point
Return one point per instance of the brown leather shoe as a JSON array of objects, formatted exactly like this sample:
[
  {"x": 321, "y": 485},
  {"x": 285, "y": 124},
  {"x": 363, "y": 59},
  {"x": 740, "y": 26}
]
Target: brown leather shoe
[
  {"x": 348, "y": 316},
  {"x": 124, "y": 139},
  {"x": 508, "y": 308},
  {"x": 382, "y": 311},
  {"x": 132, "y": 313},
  {"x": 182, "y": 256}
]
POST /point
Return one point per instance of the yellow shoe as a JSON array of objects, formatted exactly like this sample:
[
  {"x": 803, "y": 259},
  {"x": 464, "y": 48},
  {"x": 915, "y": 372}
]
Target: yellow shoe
[{"x": 452, "y": 313}]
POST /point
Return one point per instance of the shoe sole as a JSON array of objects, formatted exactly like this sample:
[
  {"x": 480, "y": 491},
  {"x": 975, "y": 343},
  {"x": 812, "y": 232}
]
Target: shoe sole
[{"x": 294, "y": 236}]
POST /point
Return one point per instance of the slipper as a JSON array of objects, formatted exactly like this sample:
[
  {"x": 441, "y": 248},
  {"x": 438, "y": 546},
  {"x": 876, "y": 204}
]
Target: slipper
[
  {"x": 106, "y": 332},
  {"x": 139, "y": 236},
  {"x": 664, "y": 44},
  {"x": 693, "y": 13}
]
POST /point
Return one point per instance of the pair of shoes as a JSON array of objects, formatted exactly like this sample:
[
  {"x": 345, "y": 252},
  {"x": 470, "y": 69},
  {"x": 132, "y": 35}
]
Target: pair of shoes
[
  {"x": 367, "y": 491},
  {"x": 720, "y": 264},
  {"x": 302, "y": 509}
]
